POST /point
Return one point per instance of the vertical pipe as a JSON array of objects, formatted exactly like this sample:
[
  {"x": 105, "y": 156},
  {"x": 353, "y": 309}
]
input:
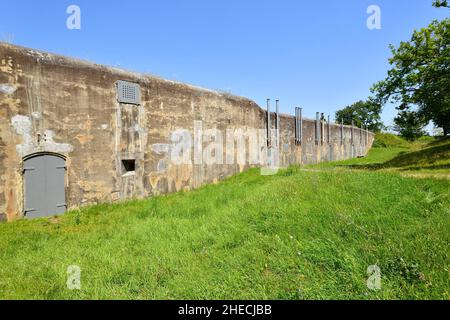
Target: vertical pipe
[
  {"x": 299, "y": 135},
  {"x": 342, "y": 132},
  {"x": 329, "y": 130},
  {"x": 317, "y": 128},
  {"x": 367, "y": 136},
  {"x": 361, "y": 135},
  {"x": 277, "y": 102},
  {"x": 322, "y": 128},
  {"x": 269, "y": 126},
  {"x": 352, "y": 146},
  {"x": 296, "y": 125},
  {"x": 330, "y": 147},
  {"x": 353, "y": 132},
  {"x": 300, "y": 129}
]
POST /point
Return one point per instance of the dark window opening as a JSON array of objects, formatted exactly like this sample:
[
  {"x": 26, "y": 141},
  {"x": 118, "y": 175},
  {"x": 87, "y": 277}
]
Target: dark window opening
[{"x": 129, "y": 165}]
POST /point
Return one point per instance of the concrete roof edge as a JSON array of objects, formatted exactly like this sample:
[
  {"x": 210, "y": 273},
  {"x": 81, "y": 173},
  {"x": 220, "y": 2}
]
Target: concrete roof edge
[
  {"x": 40, "y": 54},
  {"x": 45, "y": 55}
]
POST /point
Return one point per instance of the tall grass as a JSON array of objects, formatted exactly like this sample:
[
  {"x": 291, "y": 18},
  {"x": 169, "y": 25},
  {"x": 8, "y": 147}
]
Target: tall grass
[{"x": 296, "y": 235}]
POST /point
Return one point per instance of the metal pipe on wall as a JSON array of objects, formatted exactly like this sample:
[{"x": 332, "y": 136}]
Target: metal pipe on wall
[
  {"x": 322, "y": 128},
  {"x": 330, "y": 154},
  {"x": 367, "y": 136},
  {"x": 360, "y": 135},
  {"x": 300, "y": 129},
  {"x": 277, "y": 124},
  {"x": 353, "y": 132},
  {"x": 329, "y": 129},
  {"x": 317, "y": 128},
  {"x": 352, "y": 145},
  {"x": 269, "y": 126}
]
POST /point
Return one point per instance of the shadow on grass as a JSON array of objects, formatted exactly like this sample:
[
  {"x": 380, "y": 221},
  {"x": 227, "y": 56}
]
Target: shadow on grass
[
  {"x": 416, "y": 160},
  {"x": 439, "y": 141}
]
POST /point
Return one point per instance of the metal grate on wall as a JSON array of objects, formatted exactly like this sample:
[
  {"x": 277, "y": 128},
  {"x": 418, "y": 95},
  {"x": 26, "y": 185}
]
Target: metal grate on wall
[{"x": 128, "y": 92}]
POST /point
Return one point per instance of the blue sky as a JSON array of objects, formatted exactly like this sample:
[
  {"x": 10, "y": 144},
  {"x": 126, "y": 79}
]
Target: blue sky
[{"x": 316, "y": 54}]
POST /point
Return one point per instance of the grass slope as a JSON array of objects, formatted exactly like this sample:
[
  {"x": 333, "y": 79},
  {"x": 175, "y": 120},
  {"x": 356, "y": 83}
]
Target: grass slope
[
  {"x": 424, "y": 158},
  {"x": 297, "y": 235}
]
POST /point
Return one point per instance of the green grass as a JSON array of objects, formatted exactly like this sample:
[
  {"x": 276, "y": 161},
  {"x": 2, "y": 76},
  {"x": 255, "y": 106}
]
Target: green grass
[
  {"x": 387, "y": 140},
  {"x": 427, "y": 157},
  {"x": 297, "y": 235}
]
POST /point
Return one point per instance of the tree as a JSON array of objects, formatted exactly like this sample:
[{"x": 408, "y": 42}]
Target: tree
[
  {"x": 365, "y": 113},
  {"x": 409, "y": 124},
  {"x": 420, "y": 74},
  {"x": 441, "y": 3}
]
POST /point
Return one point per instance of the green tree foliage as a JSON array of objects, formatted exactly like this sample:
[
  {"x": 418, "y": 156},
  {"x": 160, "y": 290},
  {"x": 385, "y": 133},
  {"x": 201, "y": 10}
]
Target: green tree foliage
[
  {"x": 365, "y": 113},
  {"x": 420, "y": 74},
  {"x": 409, "y": 124},
  {"x": 441, "y": 3}
]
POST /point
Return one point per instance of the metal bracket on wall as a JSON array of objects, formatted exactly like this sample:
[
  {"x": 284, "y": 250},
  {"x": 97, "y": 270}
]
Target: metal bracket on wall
[{"x": 28, "y": 210}]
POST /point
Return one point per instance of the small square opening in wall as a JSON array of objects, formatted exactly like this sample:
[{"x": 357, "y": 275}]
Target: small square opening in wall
[{"x": 128, "y": 165}]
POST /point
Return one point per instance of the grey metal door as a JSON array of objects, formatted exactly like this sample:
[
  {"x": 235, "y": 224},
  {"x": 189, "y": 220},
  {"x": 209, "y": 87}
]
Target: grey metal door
[{"x": 44, "y": 186}]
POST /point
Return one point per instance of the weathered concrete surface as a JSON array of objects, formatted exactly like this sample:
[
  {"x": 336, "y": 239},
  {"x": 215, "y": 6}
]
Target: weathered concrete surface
[{"x": 50, "y": 103}]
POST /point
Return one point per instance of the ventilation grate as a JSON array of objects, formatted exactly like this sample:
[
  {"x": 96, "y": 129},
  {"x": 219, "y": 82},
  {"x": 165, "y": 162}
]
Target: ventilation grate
[{"x": 128, "y": 92}]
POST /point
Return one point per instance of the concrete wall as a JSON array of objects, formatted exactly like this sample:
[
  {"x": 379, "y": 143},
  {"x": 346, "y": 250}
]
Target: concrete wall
[{"x": 50, "y": 103}]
